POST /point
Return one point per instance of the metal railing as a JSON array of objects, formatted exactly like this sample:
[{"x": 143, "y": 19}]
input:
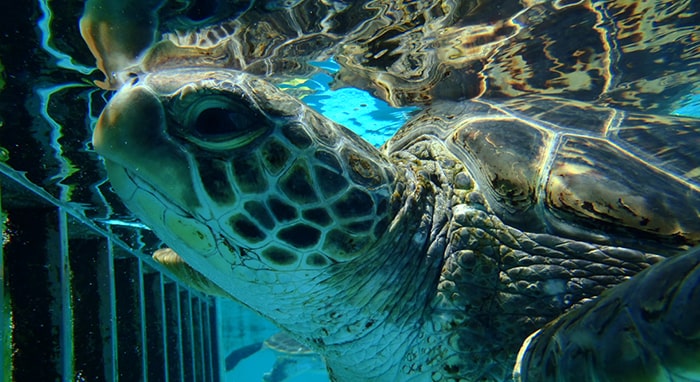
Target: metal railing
[{"x": 80, "y": 304}]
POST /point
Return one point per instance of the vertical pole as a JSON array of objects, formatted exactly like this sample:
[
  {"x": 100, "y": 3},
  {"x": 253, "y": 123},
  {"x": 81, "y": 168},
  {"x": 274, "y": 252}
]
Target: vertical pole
[
  {"x": 5, "y": 333},
  {"x": 112, "y": 312},
  {"x": 212, "y": 359},
  {"x": 202, "y": 352},
  {"x": 207, "y": 340},
  {"x": 66, "y": 333},
  {"x": 179, "y": 330},
  {"x": 142, "y": 311},
  {"x": 219, "y": 343},
  {"x": 164, "y": 326},
  {"x": 193, "y": 356}
]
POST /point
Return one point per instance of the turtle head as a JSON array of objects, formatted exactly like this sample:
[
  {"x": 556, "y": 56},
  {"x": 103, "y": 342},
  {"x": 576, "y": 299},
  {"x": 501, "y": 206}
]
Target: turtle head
[{"x": 235, "y": 174}]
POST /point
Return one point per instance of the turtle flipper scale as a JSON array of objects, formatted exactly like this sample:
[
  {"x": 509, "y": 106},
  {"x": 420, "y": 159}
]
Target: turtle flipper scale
[{"x": 641, "y": 330}]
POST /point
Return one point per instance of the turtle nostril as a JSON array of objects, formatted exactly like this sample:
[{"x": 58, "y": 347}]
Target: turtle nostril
[{"x": 133, "y": 78}]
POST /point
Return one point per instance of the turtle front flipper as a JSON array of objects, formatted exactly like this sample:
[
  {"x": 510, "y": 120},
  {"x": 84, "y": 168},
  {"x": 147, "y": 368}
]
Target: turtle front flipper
[
  {"x": 646, "y": 329},
  {"x": 186, "y": 274}
]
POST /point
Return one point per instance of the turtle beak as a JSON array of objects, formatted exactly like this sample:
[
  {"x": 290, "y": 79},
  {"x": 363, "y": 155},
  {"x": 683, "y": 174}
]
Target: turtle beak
[
  {"x": 130, "y": 117},
  {"x": 131, "y": 134}
]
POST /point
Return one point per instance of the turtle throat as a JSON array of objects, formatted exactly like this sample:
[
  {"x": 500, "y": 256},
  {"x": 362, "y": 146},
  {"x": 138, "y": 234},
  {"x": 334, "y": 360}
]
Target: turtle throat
[{"x": 381, "y": 294}]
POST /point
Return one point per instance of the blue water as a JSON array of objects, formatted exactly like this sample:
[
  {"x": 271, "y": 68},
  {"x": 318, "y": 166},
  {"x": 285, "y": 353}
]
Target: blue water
[
  {"x": 356, "y": 109},
  {"x": 691, "y": 108},
  {"x": 240, "y": 328}
]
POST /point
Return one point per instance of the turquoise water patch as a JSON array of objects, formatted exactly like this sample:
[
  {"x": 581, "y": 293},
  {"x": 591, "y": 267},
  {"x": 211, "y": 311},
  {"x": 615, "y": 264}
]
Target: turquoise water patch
[
  {"x": 691, "y": 108},
  {"x": 358, "y": 110}
]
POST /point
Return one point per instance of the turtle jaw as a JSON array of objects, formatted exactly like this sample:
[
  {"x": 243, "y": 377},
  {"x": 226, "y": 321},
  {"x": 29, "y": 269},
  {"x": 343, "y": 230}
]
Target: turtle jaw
[
  {"x": 130, "y": 134},
  {"x": 275, "y": 218}
]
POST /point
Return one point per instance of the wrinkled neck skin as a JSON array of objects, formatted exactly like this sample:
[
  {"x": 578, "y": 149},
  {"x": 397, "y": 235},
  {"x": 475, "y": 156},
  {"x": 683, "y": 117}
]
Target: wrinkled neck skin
[
  {"x": 364, "y": 315},
  {"x": 497, "y": 284},
  {"x": 449, "y": 291}
]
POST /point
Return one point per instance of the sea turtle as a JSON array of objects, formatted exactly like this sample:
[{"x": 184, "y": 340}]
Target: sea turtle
[
  {"x": 481, "y": 221},
  {"x": 394, "y": 264},
  {"x": 292, "y": 359}
]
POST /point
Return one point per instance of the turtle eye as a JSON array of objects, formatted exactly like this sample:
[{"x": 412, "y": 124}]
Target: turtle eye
[
  {"x": 222, "y": 125},
  {"x": 219, "y": 123}
]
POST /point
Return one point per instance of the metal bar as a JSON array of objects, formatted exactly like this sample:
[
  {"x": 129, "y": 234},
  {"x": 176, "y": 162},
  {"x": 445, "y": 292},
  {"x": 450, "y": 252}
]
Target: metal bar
[
  {"x": 211, "y": 339},
  {"x": 66, "y": 333},
  {"x": 5, "y": 333},
  {"x": 190, "y": 332},
  {"x": 219, "y": 344},
  {"x": 142, "y": 309},
  {"x": 78, "y": 215},
  {"x": 215, "y": 358},
  {"x": 208, "y": 350},
  {"x": 112, "y": 311},
  {"x": 67, "y": 311},
  {"x": 165, "y": 327},
  {"x": 201, "y": 352},
  {"x": 179, "y": 330}
]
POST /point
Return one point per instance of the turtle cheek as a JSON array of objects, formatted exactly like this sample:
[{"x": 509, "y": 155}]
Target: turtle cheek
[{"x": 172, "y": 226}]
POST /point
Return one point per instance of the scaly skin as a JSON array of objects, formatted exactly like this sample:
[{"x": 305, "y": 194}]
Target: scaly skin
[
  {"x": 645, "y": 330},
  {"x": 410, "y": 278},
  {"x": 407, "y": 264}
]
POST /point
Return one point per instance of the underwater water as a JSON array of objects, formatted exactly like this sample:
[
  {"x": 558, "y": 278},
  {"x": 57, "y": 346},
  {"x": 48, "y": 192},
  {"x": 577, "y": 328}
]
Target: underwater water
[{"x": 80, "y": 288}]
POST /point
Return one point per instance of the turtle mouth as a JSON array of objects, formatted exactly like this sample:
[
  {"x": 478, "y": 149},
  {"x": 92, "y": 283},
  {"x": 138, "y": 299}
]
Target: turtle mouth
[
  {"x": 140, "y": 184},
  {"x": 174, "y": 224},
  {"x": 171, "y": 222}
]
